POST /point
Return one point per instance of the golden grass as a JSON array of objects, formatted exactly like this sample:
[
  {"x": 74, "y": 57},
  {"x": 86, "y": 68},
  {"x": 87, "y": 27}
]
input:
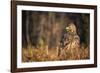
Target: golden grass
[{"x": 33, "y": 54}]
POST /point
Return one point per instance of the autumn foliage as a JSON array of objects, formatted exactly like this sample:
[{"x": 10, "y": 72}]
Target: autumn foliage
[{"x": 31, "y": 55}]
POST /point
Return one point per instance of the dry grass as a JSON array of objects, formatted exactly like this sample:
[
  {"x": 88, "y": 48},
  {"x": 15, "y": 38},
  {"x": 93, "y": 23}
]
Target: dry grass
[{"x": 33, "y": 54}]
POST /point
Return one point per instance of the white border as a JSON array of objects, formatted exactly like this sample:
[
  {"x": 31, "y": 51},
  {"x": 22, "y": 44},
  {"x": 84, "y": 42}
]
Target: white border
[{"x": 52, "y": 63}]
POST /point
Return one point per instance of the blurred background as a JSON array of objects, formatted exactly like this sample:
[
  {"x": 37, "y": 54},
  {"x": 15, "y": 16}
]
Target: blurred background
[{"x": 46, "y": 28}]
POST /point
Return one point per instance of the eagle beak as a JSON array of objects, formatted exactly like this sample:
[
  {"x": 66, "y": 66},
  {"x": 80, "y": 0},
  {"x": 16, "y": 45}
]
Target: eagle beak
[{"x": 67, "y": 28}]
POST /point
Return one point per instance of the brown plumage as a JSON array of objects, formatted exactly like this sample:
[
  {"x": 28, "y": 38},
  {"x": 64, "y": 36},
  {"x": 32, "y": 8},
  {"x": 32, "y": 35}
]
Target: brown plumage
[{"x": 70, "y": 42}]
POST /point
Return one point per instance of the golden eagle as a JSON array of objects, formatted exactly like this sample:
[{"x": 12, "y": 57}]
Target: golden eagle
[{"x": 70, "y": 41}]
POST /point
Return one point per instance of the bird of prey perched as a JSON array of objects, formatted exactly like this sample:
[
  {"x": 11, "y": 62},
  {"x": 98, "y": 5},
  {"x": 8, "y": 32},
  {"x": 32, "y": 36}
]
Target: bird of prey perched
[{"x": 70, "y": 40}]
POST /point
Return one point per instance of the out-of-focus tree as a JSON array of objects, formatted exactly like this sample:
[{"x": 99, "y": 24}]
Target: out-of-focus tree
[{"x": 41, "y": 29}]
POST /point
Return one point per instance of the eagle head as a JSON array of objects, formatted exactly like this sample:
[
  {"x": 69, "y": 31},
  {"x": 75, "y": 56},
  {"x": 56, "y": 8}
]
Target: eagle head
[{"x": 71, "y": 28}]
